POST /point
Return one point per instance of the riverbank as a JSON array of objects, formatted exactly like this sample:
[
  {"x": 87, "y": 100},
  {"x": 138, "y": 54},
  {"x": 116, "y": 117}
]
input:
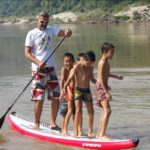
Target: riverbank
[{"x": 132, "y": 14}]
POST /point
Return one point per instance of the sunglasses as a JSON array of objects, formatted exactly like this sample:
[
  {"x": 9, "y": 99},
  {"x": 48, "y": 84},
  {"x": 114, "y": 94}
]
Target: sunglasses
[{"x": 44, "y": 22}]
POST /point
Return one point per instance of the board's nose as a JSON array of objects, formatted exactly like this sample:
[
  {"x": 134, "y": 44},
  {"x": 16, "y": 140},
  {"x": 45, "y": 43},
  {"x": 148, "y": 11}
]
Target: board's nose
[{"x": 136, "y": 141}]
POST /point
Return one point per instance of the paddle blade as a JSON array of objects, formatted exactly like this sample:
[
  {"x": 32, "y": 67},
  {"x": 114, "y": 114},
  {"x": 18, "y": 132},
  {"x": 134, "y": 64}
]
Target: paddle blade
[{"x": 2, "y": 121}]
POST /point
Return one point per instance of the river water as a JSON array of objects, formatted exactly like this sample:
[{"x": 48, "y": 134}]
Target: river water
[{"x": 131, "y": 96}]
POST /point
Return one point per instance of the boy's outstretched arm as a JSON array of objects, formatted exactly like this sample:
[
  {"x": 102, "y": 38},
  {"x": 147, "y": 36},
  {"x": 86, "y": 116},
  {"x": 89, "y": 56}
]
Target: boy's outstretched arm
[{"x": 119, "y": 77}]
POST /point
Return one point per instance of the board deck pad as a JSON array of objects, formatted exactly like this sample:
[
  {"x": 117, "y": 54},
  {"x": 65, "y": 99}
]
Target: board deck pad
[{"x": 25, "y": 126}]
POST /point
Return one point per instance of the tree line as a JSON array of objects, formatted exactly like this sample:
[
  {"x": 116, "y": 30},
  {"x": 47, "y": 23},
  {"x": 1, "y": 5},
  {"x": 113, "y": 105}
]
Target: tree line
[{"x": 21, "y": 8}]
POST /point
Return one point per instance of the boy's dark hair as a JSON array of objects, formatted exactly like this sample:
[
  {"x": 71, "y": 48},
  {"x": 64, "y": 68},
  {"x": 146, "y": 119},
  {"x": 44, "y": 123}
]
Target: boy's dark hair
[
  {"x": 69, "y": 55},
  {"x": 90, "y": 56},
  {"x": 107, "y": 46},
  {"x": 80, "y": 55}
]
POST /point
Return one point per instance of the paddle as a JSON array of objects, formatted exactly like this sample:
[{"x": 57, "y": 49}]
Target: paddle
[{"x": 3, "y": 117}]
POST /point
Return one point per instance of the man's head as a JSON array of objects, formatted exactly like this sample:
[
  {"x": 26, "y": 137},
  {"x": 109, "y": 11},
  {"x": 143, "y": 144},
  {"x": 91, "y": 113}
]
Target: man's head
[{"x": 42, "y": 20}]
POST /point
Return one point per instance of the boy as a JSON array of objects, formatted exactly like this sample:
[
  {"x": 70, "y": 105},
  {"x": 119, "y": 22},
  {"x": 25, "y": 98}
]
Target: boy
[
  {"x": 67, "y": 104},
  {"x": 80, "y": 56},
  {"x": 83, "y": 74},
  {"x": 102, "y": 89}
]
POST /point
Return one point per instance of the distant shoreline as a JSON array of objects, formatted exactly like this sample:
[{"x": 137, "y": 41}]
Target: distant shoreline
[{"x": 132, "y": 15}]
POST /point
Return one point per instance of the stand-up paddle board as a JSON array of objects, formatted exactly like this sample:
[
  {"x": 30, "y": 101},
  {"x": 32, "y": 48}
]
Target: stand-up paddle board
[{"x": 24, "y": 126}]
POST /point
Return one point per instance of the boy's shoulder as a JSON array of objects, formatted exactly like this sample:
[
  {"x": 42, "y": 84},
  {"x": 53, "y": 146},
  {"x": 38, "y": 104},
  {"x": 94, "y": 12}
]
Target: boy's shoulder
[
  {"x": 64, "y": 69},
  {"x": 102, "y": 61},
  {"x": 64, "y": 72},
  {"x": 77, "y": 64},
  {"x": 76, "y": 67}
]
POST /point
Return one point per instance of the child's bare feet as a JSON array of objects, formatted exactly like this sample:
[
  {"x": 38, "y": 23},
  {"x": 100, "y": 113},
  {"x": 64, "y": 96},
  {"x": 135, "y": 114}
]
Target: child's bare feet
[
  {"x": 64, "y": 133},
  {"x": 91, "y": 135},
  {"x": 75, "y": 134},
  {"x": 80, "y": 134},
  {"x": 104, "y": 138}
]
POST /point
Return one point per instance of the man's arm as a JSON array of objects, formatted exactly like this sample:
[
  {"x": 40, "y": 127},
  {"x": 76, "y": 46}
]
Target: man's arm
[
  {"x": 29, "y": 56},
  {"x": 66, "y": 33}
]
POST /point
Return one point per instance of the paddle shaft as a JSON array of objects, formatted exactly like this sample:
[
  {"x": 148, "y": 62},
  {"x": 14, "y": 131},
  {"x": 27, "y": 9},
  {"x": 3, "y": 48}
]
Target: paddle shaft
[{"x": 3, "y": 117}]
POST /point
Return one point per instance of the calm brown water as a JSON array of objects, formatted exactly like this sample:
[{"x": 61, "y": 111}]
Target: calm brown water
[{"x": 130, "y": 105}]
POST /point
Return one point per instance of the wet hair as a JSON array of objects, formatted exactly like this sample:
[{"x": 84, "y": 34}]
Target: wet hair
[
  {"x": 69, "y": 55},
  {"x": 107, "y": 46},
  {"x": 80, "y": 55},
  {"x": 90, "y": 56},
  {"x": 42, "y": 14}
]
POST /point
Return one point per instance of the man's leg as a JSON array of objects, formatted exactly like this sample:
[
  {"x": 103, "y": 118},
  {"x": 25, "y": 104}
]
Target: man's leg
[
  {"x": 37, "y": 113},
  {"x": 38, "y": 95},
  {"x": 54, "y": 93},
  {"x": 53, "y": 112}
]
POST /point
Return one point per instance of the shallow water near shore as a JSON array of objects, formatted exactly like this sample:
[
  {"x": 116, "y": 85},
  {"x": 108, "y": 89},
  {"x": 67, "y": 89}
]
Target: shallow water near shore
[{"x": 130, "y": 104}]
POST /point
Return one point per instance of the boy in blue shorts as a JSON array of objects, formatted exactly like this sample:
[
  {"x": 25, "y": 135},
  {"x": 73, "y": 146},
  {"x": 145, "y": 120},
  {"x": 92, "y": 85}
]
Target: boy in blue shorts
[{"x": 67, "y": 101}]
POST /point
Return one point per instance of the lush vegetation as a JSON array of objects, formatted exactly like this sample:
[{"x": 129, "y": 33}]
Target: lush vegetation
[{"x": 21, "y": 8}]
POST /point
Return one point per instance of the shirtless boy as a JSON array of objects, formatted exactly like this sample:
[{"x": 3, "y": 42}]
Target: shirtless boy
[
  {"x": 102, "y": 89},
  {"x": 68, "y": 65},
  {"x": 83, "y": 73},
  {"x": 80, "y": 56}
]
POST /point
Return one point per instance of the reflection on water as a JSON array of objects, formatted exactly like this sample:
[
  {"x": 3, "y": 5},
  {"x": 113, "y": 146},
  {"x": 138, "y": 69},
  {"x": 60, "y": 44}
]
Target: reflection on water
[
  {"x": 130, "y": 104},
  {"x": 131, "y": 41}
]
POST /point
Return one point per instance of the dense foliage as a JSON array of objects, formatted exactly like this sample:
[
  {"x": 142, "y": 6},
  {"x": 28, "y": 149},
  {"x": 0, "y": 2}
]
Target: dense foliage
[{"x": 21, "y": 8}]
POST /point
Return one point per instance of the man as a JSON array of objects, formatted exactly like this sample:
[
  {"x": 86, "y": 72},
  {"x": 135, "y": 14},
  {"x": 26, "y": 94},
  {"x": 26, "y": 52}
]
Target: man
[{"x": 38, "y": 46}]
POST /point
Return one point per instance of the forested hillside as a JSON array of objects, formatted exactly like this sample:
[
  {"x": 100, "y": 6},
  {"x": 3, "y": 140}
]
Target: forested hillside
[{"x": 21, "y": 8}]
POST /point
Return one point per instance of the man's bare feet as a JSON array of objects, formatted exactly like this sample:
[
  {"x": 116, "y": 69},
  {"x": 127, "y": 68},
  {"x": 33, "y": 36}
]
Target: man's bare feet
[
  {"x": 104, "y": 138},
  {"x": 55, "y": 127},
  {"x": 91, "y": 135},
  {"x": 36, "y": 127}
]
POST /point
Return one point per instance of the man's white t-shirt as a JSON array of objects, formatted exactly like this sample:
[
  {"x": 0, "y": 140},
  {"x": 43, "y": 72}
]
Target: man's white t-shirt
[{"x": 42, "y": 43}]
